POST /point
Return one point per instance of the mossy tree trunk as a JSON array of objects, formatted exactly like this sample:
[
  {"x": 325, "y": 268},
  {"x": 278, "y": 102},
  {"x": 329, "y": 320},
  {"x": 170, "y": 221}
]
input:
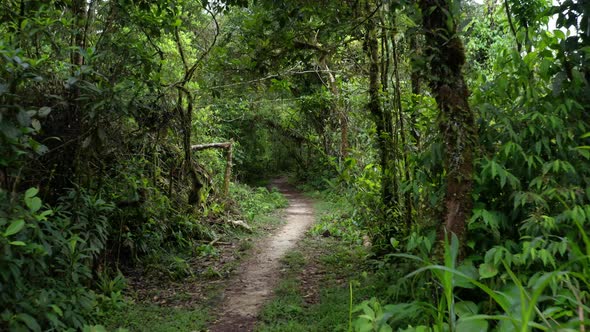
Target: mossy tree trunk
[{"x": 457, "y": 126}]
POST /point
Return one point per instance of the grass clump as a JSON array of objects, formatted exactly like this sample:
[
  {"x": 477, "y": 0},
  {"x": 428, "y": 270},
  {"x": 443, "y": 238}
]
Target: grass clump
[
  {"x": 329, "y": 273},
  {"x": 147, "y": 317}
]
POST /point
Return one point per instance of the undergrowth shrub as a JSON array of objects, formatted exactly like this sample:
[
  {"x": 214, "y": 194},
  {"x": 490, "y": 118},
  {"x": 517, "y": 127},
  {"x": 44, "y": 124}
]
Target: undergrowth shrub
[
  {"x": 339, "y": 226},
  {"x": 360, "y": 190},
  {"x": 149, "y": 219},
  {"x": 253, "y": 202},
  {"x": 110, "y": 296},
  {"x": 469, "y": 296},
  {"x": 46, "y": 260}
]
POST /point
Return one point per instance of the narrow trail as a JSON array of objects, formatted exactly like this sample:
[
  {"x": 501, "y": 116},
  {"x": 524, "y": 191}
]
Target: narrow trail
[{"x": 258, "y": 275}]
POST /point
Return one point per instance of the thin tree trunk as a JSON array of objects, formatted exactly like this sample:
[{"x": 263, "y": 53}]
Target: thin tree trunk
[
  {"x": 79, "y": 13},
  {"x": 509, "y": 16},
  {"x": 379, "y": 117},
  {"x": 74, "y": 116},
  {"x": 228, "y": 165},
  {"x": 415, "y": 82},
  {"x": 338, "y": 110},
  {"x": 186, "y": 115},
  {"x": 457, "y": 125},
  {"x": 186, "y": 128},
  {"x": 402, "y": 133}
]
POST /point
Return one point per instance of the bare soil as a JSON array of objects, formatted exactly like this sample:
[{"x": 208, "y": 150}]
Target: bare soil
[{"x": 257, "y": 276}]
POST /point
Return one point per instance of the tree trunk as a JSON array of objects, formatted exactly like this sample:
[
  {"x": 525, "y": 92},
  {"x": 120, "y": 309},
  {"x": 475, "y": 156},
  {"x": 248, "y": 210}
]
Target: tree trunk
[
  {"x": 337, "y": 109},
  {"x": 509, "y": 16},
  {"x": 457, "y": 125},
  {"x": 74, "y": 115},
  {"x": 381, "y": 119},
  {"x": 415, "y": 82},
  {"x": 78, "y": 8},
  {"x": 404, "y": 148},
  {"x": 186, "y": 129},
  {"x": 228, "y": 165}
]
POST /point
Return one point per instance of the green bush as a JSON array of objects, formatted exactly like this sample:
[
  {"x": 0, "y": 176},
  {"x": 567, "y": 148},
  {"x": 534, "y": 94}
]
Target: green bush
[
  {"x": 46, "y": 259},
  {"x": 254, "y": 202}
]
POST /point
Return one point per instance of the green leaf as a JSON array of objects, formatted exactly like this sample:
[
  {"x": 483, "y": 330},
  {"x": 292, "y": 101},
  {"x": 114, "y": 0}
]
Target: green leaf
[
  {"x": 57, "y": 310},
  {"x": 23, "y": 118},
  {"x": 487, "y": 270},
  {"x": 385, "y": 328},
  {"x": 52, "y": 318},
  {"x": 559, "y": 34},
  {"x": 369, "y": 313},
  {"x": 36, "y": 124},
  {"x": 15, "y": 227},
  {"x": 466, "y": 308},
  {"x": 468, "y": 269},
  {"x": 363, "y": 325},
  {"x": 18, "y": 243},
  {"x": 95, "y": 328},
  {"x": 44, "y": 111},
  {"x": 394, "y": 242},
  {"x": 472, "y": 325},
  {"x": 31, "y": 192},
  {"x": 34, "y": 204},
  {"x": 73, "y": 242},
  {"x": 29, "y": 321},
  {"x": 493, "y": 168}
]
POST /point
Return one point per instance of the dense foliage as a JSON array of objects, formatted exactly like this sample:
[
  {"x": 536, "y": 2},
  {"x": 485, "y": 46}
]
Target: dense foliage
[{"x": 458, "y": 134}]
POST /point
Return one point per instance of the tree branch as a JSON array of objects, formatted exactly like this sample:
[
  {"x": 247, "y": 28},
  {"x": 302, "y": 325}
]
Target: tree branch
[
  {"x": 509, "y": 15},
  {"x": 222, "y": 145}
]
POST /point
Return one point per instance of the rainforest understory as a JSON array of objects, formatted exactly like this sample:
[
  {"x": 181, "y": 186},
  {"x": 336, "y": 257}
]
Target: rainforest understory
[{"x": 262, "y": 165}]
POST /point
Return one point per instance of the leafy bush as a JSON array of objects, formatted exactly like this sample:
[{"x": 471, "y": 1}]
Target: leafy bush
[
  {"x": 466, "y": 299},
  {"x": 254, "y": 202},
  {"x": 110, "y": 297},
  {"x": 47, "y": 255}
]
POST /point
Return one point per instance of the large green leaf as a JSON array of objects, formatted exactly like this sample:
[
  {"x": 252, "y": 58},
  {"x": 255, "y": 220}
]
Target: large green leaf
[
  {"x": 34, "y": 203},
  {"x": 487, "y": 270},
  {"x": 466, "y": 308},
  {"x": 29, "y": 321},
  {"x": 472, "y": 325},
  {"x": 31, "y": 192},
  {"x": 15, "y": 227}
]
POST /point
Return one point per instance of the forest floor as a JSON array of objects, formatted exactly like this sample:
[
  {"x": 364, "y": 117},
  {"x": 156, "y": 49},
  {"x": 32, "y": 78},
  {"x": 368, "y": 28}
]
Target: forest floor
[
  {"x": 320, "y": 277},
  {"x": 289, "y": 274},
  {"x": 258, "y": 275}
]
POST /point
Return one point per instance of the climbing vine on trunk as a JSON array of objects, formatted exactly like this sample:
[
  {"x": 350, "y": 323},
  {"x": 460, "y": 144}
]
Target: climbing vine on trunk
[{"x": 445, "y": 50}]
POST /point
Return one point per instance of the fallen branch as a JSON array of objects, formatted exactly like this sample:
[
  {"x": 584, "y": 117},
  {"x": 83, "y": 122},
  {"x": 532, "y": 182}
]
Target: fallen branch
[
  {"x": 215, "y": 242},
  {"x": 223, "y": 145},
  {"x": 242, "y": 224}
]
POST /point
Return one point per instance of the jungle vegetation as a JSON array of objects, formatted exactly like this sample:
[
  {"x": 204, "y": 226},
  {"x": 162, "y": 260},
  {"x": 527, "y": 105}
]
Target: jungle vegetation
[{"x": 458, "y": 132}]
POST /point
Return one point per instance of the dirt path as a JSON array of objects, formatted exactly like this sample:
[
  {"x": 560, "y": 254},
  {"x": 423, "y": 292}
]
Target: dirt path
[{"x": 258, "y": 275}]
